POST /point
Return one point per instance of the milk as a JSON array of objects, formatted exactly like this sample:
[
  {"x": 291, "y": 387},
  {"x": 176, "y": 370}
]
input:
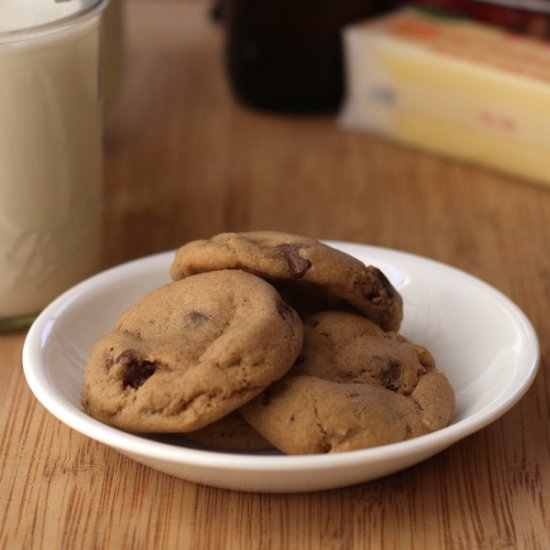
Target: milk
[{"x": 50, "y": 159}]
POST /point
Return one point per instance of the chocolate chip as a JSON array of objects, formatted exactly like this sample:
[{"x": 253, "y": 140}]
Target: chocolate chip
[
  {"x": 389, "y": 377},
  {"x": 137, "y": 372},
  {"x": 381, "y": 290},
  {"x": 284, "y": 311},
  {"x": 297, "y": 265},
  {"x": 196, "y": 319}
]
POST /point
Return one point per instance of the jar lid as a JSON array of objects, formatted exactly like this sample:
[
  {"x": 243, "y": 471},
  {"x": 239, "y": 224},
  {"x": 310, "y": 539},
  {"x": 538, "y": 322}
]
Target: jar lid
[{"x": 24, "y": 17}]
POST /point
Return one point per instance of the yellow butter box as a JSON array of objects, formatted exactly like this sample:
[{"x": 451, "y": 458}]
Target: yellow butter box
[{"x": 454, "y": 87}]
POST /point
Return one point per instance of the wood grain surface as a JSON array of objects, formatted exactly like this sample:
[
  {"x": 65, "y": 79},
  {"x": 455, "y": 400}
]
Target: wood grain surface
[{"x": 185, "y": 160}]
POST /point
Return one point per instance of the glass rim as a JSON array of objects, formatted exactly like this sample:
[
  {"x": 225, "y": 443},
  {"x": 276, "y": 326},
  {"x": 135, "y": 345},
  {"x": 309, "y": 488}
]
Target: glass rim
[{"x": 43, "y": 30}]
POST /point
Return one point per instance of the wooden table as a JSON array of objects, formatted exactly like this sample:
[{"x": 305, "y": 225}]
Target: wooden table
[{"x": 184, "y": 160}]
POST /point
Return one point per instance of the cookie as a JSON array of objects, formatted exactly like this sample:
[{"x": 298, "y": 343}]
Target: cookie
[
  {"x": 343, "y": 347},
  {"x": 353, "y": 387},
  {"x": 309, "y": 274},
  {"x": 230, "y": 433},
  {"x": 191, "y": 352}
]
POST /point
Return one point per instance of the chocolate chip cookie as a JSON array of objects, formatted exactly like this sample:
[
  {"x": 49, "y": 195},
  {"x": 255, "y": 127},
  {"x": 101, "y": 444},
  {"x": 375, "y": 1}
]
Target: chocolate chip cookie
[
  {"x": 354, "y": 386},
  {"x": 191, "y": 352},
  {"x": 309, "y": 274}
]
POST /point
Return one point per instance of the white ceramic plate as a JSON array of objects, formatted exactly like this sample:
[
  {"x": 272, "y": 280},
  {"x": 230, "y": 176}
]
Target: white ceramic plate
[{"x": 479, "y": 338}]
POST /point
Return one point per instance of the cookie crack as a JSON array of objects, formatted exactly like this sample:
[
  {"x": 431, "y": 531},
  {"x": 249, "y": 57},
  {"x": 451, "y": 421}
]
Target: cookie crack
[
  {"x": 325, "y": 444},
  {"x": 419, "y": 408},
  {"x": 214, "y": 394},
  {"x": 234, "y": 249},
  {"x": 186, "y": 404},
  {"x": 248, "y": 389}
]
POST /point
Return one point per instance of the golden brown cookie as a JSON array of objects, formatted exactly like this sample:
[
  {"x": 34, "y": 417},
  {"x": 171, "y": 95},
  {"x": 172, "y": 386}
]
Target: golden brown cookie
[
  {"x": 191, "y": 352},
  {"x": 354, "y": 386},
  {"x": 309, "y": 274}
]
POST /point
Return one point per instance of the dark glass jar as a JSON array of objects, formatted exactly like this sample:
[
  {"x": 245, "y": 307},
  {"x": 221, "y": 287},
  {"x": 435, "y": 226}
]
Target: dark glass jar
[{"x": 286, "y": 55}]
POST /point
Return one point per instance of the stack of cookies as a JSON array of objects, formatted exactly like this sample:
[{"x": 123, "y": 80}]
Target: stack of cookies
[{"x": 268, "y": 340}]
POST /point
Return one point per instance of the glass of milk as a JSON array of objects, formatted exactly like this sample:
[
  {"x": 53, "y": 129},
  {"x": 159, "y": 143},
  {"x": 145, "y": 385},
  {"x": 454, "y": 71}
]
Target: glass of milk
[{"x": 50, "y": 151}]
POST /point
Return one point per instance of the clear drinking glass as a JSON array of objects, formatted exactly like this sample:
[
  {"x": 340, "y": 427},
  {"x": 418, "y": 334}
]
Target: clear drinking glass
[{"x": 50, "y": 151}]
